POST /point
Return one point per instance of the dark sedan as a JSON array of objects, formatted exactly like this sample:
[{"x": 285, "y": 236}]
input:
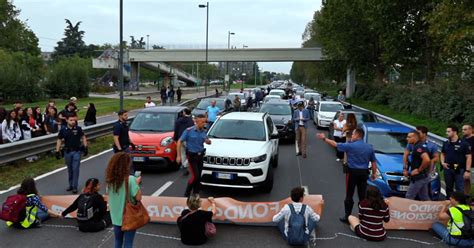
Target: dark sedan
[{"x": 280, "y": 112}]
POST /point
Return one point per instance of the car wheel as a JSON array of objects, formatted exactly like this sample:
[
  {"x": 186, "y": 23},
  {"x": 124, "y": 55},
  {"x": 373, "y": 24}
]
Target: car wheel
[{"x": 268, "y": 184}]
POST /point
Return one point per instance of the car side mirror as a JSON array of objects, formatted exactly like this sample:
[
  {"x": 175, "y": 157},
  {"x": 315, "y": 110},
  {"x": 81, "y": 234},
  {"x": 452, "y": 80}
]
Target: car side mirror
[{"x": 274, "y": 136}]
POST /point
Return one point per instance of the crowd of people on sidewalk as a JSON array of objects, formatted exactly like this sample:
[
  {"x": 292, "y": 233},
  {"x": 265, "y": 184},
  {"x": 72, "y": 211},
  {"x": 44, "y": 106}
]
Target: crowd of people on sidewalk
[{"x": 24, "y": 123}]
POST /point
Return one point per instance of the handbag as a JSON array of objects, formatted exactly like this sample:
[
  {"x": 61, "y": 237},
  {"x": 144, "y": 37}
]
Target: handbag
[
  {"x": 134, "y": 215},
  {"x": 210, "y": 229}
]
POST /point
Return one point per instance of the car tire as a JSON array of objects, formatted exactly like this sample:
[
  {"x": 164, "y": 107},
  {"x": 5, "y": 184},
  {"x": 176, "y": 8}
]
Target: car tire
[{"x": 268, "y": 184}]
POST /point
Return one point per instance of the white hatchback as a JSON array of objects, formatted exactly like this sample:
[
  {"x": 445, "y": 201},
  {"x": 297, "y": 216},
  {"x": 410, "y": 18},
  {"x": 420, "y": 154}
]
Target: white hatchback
[
  {"x": 243, "y": 153},
  {"x": 325, "y": 112}
]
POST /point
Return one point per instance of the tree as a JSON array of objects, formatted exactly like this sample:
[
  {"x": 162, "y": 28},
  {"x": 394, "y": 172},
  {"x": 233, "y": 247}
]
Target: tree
[
  {"x": 137, "y": 44},
  {"x": 15, "y": 35},
  {"x": 72, "y": 43},
  {"x": 69, "y": 77}
]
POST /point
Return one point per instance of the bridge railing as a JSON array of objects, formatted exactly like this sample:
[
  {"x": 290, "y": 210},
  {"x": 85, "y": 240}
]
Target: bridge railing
[{"x": 27, "y": 148}]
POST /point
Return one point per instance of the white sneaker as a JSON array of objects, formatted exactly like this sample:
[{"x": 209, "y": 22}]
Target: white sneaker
[{"x": 338, "y": 159}]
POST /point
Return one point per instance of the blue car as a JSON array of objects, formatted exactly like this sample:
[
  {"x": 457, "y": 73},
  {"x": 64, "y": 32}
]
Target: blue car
[{"x": 389, "y": 142}]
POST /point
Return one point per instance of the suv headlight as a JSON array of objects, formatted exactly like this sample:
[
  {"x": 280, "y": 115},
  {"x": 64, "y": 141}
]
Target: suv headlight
[
  {"x": 259, "y": 158},
  {"x": 166, "y": 141}
]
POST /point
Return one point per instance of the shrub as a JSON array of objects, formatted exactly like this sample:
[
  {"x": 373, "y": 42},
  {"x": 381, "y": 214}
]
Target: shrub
[{"x": 68, "y": 77}]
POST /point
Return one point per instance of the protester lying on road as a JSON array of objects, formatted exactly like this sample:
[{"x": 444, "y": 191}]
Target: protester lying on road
[
  {"x": 296, "y": 220},
  {"x": 373, "y": 212},
  {"x": 195, "y": 224},
  {"x": 459, "y": 214},
  {"x": 92, "y": 215},
  {"x": 35, "y": 212}
]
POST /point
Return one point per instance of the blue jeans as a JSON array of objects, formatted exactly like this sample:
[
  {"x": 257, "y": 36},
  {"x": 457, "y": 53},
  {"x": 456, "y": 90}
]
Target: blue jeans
[
  {"x": 443, "y": 232},
  {"x": 452, "y": 180},
  {"x": 73, "y": 162},
  {"x": 281, "y": 227},
  {"x": 121, "y": 235},
  {"x": 419, "y": 188},
  {"x": 42, "y": 215}
]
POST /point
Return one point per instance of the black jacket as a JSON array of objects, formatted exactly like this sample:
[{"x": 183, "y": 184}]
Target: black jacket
[{"x": 181, "y": 124}]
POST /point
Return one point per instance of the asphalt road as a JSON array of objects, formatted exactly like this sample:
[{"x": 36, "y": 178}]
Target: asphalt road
[{"x": 319, "y": 172}]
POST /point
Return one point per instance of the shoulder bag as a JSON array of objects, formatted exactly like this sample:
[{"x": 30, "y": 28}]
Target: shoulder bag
[{"x": 134, "y": 215}]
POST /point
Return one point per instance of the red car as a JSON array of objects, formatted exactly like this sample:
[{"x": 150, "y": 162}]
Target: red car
[{"x": 151, "y": 134}]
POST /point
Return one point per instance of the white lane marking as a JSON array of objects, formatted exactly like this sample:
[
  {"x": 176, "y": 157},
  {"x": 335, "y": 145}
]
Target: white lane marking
[
  {"x": 162, "y": 188},
  {"x": 158, "y": 236},
  {"x": 55, "y": 171},
  {"x": 336, "y": 235},
  {"x": 443, "y": 191}
]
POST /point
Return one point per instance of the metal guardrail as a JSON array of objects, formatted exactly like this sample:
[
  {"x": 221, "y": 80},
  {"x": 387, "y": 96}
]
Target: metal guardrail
[{"x": 26, "y": 148}]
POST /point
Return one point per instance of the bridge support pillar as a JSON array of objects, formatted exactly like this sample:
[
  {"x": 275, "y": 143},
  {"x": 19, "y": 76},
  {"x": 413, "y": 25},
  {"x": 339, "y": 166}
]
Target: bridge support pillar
[
  {"x": 134, "y": 77},
  {"x": 350, "y": 82}
]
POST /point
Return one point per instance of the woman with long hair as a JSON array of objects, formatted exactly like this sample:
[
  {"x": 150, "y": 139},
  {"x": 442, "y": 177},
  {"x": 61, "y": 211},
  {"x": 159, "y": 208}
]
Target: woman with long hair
[
  {"x": 92, "y": 215},
  {"x": 116, "y": 176},
  {"x": 90, "y": 118},
  {"x": 349, "y": 127},
  {"x": 11, "y": 128},
  {"x": 51, "y": 121},
  {"x": 36, "y": 211},
  {"x": 39, "y": 117},
  {"x": 373, "y": 212},
  {"x": 29, "y": 127},
  {"x": 3, "y": 115}
]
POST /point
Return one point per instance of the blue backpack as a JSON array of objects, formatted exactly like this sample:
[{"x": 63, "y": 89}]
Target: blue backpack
[{"x": 297, "y": 227}]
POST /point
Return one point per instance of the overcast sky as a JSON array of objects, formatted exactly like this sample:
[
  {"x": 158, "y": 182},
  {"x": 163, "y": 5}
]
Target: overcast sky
[{"x": 175, "y": 23}]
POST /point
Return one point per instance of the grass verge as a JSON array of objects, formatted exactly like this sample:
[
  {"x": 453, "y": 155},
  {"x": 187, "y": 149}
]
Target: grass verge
[
  {"x": 12, "y": 174},
  {"x": 104, "y": 106},
  {"x": 434, "y": 126}
]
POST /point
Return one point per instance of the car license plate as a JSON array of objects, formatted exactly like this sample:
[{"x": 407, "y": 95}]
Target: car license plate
[
  {"x": 224, "y": 176},
  {"x": 403, "y": 187},
  {"x": 138, "y": 159}
]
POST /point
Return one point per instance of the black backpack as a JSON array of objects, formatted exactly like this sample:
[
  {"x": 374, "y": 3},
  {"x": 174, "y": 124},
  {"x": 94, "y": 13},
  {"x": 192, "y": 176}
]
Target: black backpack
[
  {"x": 85, "y": 210},
  {"x": 467, "y": 231}
]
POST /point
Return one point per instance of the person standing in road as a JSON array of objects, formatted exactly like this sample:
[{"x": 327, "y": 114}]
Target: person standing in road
[
  {"x": 184, "y": 122},
  {"x": 212, "y": 111},
  {"x": 339, "y": 137},
  {"x": 91, "y": 113},
  {"x": 468, "y": 137},
  {"x": 121, "y": 138},
  {"x": 195, "y": 137},
  {"x": 217, "y": 92},
  {"x": 163, "y": 95},
  {"x": 237, "y": 103},
  {"x": 300, "y": 119},
  {"x": 456, "y": 161},
  {"x": 71, "y": 135},
  {"x": 116, "y": 176},
  {"x": 149, "y": 103},
  {"x": 171, "y": 95},
  {"x": 359, "y": 154},
  {"x": 419, "y": 174},
  {"x": 179, "y": 93}
]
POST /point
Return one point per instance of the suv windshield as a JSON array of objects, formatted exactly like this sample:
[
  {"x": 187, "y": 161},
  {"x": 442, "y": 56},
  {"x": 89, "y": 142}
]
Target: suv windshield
[
  {"x": 330, "y": 107},
  {"x": 204, "y": 103},
  {"x": 154, "y": 122},
  {"x": 238, "y": 129},
  {"x": 388, "y": 143},
  {"x": 277, "y": 93},
  {"x": 276, "y": 109}
]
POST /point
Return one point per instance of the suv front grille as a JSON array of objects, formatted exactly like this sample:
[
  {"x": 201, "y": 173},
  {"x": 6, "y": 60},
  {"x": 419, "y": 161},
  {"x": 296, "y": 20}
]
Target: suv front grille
[{"x": 227, "y": 161}]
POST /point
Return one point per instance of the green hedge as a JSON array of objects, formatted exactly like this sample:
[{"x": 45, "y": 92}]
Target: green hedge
[{"x": 442, "y": 101}]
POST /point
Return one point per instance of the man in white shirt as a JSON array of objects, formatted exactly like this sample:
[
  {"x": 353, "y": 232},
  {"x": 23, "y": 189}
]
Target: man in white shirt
[
  {"x": 339, "y": 137},
  {"x": 283, "y": 217},
  {"x": 149, "y": 103}
]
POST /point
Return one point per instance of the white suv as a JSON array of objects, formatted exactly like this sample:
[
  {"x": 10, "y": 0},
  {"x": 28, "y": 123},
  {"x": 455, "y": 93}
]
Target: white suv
[
  {"x": 243, "y": 152},
  {"x": 325, "y": 112}
]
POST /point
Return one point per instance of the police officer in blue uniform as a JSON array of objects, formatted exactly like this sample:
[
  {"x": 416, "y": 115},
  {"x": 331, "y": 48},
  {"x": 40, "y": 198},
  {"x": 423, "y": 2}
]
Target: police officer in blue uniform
[
  {"x": 420, "y": 167},
  {"x": 456, "y": 160},
  {"x": 359, "y": 155},
  {"x": 71, "y": 135},
  {"x": 195, "y": 137}
]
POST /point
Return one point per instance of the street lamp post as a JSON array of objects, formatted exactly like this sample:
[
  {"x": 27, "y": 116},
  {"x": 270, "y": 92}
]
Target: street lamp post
[
  {"x": 121, "y": 56},
  {"x": 207, "y": 44},
  {"x": 227, "y": 63},
  {"x": 147, "y": 41}
]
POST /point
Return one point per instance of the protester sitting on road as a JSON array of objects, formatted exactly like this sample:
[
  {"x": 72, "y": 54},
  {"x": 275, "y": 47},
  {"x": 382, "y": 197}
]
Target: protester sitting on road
[
  {"x": 149, "y": 103},
  {"x": 11, "y": 128},
  {"x": 36, "y": 211},
  {"x": 51, "y": 121},
  {"x": 92, "y": 215},
  {"x": 91, "y": 113},
  {"x": 455, "y": 213},
  {"x": 373, "y": 212},
  {"x": 192, "y": 222},
  {"x": 118, "y": 170},
  {"x": 296, "y": 219}
]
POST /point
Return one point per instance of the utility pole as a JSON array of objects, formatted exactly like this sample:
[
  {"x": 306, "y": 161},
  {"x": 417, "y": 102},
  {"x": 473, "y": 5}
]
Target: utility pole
[{"x": 121, "y": 56}]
